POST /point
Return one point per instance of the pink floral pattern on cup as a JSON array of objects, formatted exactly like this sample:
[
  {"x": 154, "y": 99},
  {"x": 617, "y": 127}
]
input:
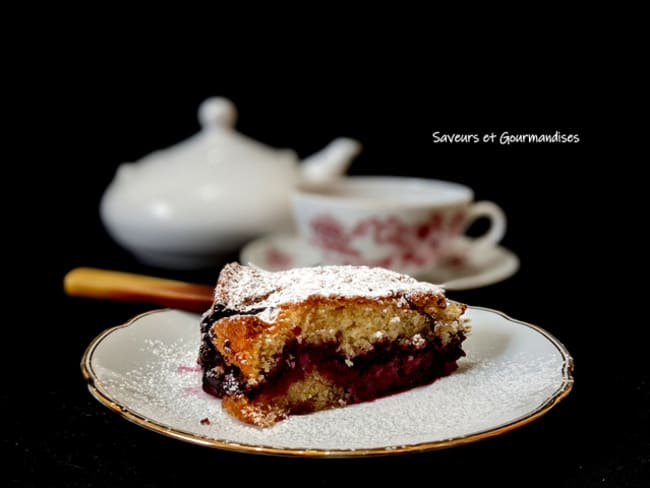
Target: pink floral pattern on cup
[
  {"x": 330, "y": 234},
  {"x": 404, "y": 244},
  {"x": 278, "y": 259}
]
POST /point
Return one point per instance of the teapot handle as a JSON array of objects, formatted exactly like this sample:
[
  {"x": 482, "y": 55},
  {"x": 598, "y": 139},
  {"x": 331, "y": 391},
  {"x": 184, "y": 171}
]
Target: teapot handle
[{"x": 217, "y": 111}]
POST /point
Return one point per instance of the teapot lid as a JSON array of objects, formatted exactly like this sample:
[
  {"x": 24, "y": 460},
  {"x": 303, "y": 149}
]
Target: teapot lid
[
  {"x": 217, "y": 146},
  {"x": 217, "y": 111}
]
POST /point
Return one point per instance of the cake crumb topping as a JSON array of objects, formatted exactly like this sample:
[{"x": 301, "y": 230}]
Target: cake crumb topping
[{"x": 245, "y": 287}]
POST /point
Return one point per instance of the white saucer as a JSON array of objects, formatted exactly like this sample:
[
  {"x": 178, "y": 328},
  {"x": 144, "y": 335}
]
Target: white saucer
[{"x": 282, "y": 251}]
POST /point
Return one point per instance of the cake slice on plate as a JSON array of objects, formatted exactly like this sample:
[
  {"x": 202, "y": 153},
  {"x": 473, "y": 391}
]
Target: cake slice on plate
[{"x": 308, "y": 339}]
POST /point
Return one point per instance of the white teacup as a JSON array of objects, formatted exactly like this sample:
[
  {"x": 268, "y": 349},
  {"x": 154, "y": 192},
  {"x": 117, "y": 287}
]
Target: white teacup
[{"x": 406, "y": 224}]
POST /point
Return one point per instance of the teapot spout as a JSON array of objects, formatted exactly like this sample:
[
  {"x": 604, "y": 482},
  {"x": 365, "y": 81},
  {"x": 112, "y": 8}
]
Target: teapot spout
[{"x": 331, "y": 161}]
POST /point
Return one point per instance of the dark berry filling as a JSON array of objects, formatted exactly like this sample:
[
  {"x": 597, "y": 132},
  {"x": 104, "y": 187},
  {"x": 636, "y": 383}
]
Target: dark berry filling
[
  {"x": 389, "y": 367},
  {"x": 218, "y": 378}
]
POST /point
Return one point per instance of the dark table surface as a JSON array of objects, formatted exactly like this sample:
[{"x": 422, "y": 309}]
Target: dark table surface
[{"x": 56, "y": 434}]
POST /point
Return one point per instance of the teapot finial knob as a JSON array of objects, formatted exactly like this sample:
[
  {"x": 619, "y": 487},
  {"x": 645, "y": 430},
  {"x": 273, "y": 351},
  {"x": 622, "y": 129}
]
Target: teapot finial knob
[{"x": 217, "y": 111}]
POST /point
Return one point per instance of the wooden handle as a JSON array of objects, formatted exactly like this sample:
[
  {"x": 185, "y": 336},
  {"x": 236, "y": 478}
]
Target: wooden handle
[{"x": 115, "y": 285}]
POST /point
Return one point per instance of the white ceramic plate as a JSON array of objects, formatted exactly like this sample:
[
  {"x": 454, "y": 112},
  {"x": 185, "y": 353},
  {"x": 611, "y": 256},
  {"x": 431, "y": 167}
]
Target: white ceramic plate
[
  {"x": 283, "y": 251},
  {"x": 513, "y": 373}
]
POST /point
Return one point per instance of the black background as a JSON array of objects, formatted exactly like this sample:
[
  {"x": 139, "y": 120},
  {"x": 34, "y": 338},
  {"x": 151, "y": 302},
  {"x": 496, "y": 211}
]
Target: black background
[{"x": 104, "y": 114}]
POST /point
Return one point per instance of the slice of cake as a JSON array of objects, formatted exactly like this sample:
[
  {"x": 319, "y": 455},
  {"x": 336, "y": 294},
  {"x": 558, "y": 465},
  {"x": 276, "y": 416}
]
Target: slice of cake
[{"x": 308, "y": 339}]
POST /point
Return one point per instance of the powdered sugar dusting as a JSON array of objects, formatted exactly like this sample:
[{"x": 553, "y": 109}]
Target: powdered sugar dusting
[
  {"x": 511, "y": 371},
  {"x": 241, "y": 287},
  {"x": 171, "y": 364}
]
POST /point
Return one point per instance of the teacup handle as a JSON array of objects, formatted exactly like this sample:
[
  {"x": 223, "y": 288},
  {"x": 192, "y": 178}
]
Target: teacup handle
[{"x": 497, "y": 223}]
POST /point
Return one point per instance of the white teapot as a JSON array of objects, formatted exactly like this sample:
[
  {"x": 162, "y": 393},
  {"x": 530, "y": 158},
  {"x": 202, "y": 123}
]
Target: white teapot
[{"x": 188, "y": 205}]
